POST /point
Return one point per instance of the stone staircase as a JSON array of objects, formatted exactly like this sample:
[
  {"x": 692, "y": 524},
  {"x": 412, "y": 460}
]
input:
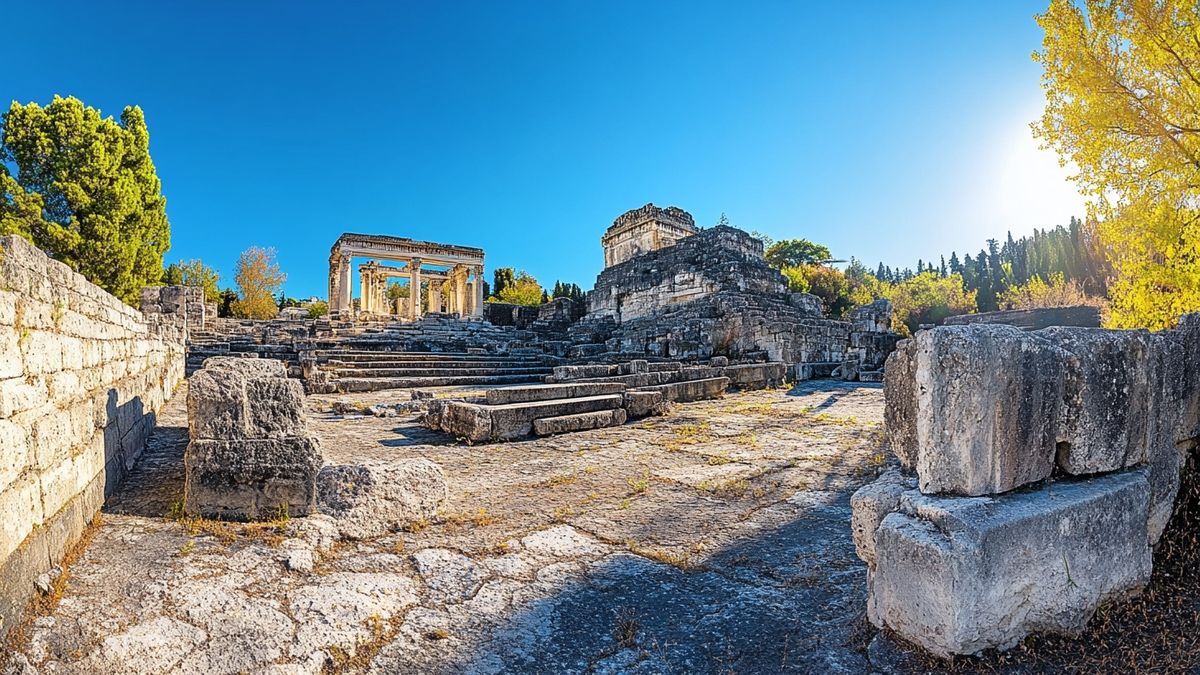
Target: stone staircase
[
  {"x": 337, "y": 371},
  {"x": 592, "y": 396}
]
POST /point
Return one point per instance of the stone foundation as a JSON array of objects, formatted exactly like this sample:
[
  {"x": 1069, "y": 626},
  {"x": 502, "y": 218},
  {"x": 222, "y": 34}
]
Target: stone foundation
[
  {"x": 81, "y": 377},
  {"x": 1047, "y": 462}
]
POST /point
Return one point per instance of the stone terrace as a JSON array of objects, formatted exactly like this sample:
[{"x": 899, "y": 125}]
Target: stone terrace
[{"x": 713, "y": 539}]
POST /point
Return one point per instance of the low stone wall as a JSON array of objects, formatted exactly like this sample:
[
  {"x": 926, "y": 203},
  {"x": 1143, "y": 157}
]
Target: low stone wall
[
  {"x": 1083, "y": 316},
  {"x": 1046, "y": 465},
  {"x": 81, "y": 376}
]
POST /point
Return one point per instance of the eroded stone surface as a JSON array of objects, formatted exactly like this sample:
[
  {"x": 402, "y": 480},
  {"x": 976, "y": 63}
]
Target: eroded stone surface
[
  {"x": 544, "y": 548},
  {"x": 374, "y": 498}
]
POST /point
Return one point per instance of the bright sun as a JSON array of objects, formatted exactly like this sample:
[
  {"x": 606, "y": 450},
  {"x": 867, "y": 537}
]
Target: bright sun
[{"x": 1030, "y": 189}]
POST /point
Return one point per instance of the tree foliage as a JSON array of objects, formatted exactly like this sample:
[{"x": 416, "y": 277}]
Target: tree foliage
[
  {"x": 1122, "y": 83},
  {"x": 258, "y": 279},
  {"x": 86, "y": 192},
  {"x": 796, "y": 252},
  {"x": 502, "y": 277},
  {"x": 318, "y": 309},
  {"x": 194, "y": 273},
  {"x": 928, "y": 298},
  {"x": 572, "y": 291},
  {"x": 522, "y": 289},
  {"x": 1038, "y": 294}
]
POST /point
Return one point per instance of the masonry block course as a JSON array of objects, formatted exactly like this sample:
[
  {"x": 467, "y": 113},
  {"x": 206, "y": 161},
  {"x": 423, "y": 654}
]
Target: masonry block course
[{"x": 81, "y": 377}]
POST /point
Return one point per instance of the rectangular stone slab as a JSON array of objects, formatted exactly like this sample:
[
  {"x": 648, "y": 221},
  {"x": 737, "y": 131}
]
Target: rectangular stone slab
[
  {"x": 691, "y": 390},
  {"x": 755, "y": 375},
  {"x": 548, "y": 392},
  {"x": 579, "y": 422},
  {"x": 960, "y": 575},
  {"x": 251, "y": 479}
]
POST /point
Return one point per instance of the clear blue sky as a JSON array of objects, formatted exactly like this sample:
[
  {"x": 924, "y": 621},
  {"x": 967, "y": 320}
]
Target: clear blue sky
[{"x": 887, "y": 131}]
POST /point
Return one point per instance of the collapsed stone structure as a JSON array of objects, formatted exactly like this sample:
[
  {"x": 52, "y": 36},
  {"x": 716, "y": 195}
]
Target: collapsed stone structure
[
  {"x": 1046, "y": 467},
  {"x": 713, "y": 294},
  {"x": 82, "y": 376},
  {"x": 250, "y": 456}
]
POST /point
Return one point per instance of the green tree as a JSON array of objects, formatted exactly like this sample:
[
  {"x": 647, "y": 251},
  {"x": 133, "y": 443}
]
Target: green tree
[
  {"x": 258, "y": 278},
  {"x": 225, "y": 303},
  {"x": 928, "y": 298},
  {"x": 318, "y": 309},
  {"x": 523, "y": 290},
  {"x": 796, "y": 252},
  {"x": 1122, "y": 81},
  {"x": 502, "y": 278},
  {"x": 194, "y": 273},
  {"x": 102, "y": 208}
]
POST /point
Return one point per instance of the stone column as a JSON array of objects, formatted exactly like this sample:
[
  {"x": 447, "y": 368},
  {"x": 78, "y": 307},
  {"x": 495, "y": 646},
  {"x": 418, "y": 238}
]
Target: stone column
[
  {"x": 414, "y": 289},
  {"x": 333, "y": 285},
  {"x": 364, "y": 288},
  {"x": 460, "y": 292},
  {"x": 477, "y": 308},
  {"x": 433, "y": 304},
  {"x": 344, "y": 297}
]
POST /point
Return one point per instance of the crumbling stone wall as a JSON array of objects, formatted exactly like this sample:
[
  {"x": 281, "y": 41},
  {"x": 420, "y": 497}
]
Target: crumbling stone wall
[
  {"x": 1084, "y": 316},
  {"x": 81, "y": 376},
  {"x": 187, "y": 301},
  {"x": 713, "y": 294},
  {"x": 1046, "y": 465}
]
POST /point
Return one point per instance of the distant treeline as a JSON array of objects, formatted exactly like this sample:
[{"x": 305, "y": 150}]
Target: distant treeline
[{"x": 1073, "y": 252}]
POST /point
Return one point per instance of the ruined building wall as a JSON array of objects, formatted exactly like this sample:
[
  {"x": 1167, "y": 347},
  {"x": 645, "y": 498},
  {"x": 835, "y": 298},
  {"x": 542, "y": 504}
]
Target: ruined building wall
[
  {"x": 81, "y": 376},
  {"x": 645, "y": 229},
  {"x": 721, "y": 258}
]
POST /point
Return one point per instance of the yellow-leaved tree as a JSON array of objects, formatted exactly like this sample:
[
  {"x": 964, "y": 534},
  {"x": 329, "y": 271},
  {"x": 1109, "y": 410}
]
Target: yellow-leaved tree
[
  {"x": 259, "y": 281},
  {"x": 1122, "y": 83}
]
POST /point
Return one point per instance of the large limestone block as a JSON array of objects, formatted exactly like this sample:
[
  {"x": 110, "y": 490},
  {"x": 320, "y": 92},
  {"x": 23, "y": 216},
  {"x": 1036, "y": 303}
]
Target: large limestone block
[
  {"x": 870, "y": 504},
  {"x": 244, "y": 398},
  {"x": 1109, "y": 416},
  {"x": 989, "y": 405},
  {"x": 548, "y": 426},
  {"x": 755, "y": 375},
  {"x": 959, "y": 575},
  {"x": 374, "y": 498},
  {"x": 251, "y": 479},
  {"x": 900, "y": 395}
]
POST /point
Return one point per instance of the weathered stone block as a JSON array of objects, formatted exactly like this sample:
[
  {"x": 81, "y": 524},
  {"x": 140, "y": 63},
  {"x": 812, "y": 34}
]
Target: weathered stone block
[
  {"x": 244, "y": 398},
  {"x": 547, "y": 392},
  {"x": 959, "y": 575},
  {"x": 251, "y": 479},
  {"x": 691, "y": 390},
  {"x": 989, "y": 404},
  {"x": 870, "y": 504},
  {"x": 644, "y": 403},
  {"x": 755, "y": 375},
  {"x": 374, "y": 498},
  {"x": 1109, "y": 418},
  {"x": 562, "y": 424}
]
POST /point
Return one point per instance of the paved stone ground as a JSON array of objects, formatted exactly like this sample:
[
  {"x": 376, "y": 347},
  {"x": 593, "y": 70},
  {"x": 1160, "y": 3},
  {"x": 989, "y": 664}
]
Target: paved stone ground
[{"x": 714, "y": 539}]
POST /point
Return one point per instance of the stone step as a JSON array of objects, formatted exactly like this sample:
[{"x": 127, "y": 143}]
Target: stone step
[
  {"x": 691, "y": 390},
  {"x": 478, "y": 423},
  {"x": 359, "y": 384},
  {"x": 423, "y": 356},
  {"x": 436, "y": 372},
  {"x": 338, "y": 363},
  {"x": 549, "y": 392},
  {"x": 562, "y": 424}
]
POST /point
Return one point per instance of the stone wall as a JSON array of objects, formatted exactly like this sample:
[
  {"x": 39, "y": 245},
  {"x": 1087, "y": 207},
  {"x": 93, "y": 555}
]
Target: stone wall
[
  {"x": 81, "y": 376},
  {"x": 186, "y": 301},
  {"x": 645, "y": 229},
  {"x": 1046, "y": 464},
  {"x": 1084, "y": 316}
]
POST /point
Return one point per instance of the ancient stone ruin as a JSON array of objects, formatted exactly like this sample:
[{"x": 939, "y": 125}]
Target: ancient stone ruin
[
  {"x": 82, "y": 376},
  {"x": 250, "y": 456},
  {"x": 1046, "y": 467}
]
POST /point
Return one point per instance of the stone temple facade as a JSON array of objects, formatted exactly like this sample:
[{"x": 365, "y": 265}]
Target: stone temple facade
[{"x": 643, "y": 230}]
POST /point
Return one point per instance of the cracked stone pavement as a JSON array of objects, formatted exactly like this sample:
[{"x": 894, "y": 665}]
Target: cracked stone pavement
[{"x": 713, "y": 539}]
